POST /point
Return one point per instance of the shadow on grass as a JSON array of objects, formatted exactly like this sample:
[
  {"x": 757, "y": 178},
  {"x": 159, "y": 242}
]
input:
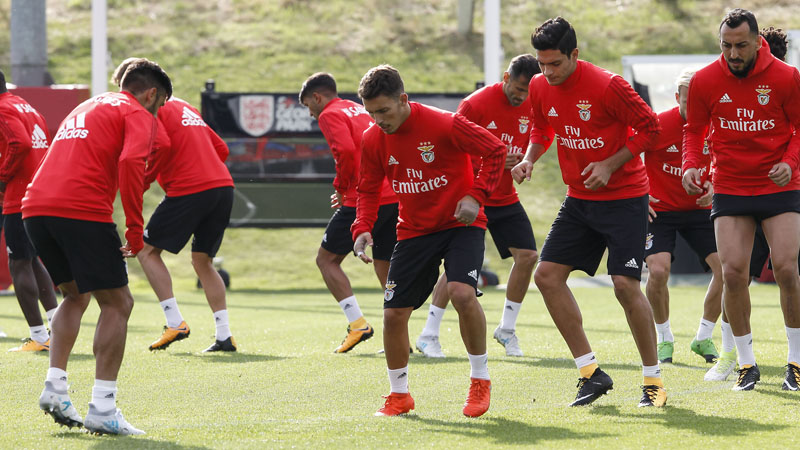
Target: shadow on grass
[
  {"x": 295, "y": 291},
  {"x": 236, "y": 357},
  {"x": 685, "y": 419},
  {"x": 117, "y": 442},
  {"x": 503, "y": 431},
  {"x": 563, "y": 363}
]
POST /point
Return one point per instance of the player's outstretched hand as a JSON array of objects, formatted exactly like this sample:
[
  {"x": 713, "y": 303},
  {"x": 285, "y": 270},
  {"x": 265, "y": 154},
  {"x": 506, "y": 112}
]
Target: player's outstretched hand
[
  {"x": 652, "y": 212},
  {"x": 467, "y": 210},
  {"x": 522, "y": 171},
  {"x": 512, "y": 159},
  {"x": 705, "y": 199},
  {"x": 360, "y": 246},
  {"x": 691, "y": 181},
  {"x": 781, "y": 174}
]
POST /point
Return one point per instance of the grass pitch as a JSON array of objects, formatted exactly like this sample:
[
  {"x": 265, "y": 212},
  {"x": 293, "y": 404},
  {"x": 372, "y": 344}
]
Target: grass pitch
[{"x": 285, "y": 388}]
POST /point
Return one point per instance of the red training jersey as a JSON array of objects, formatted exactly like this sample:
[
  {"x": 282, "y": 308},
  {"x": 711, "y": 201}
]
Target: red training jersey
[
  {"x": 188, "y": 156},
  {"x": 23, "y": 143},
  {"x": 489, "y": 107},
  {"x": 343, "y": 122},
  {"x": 591, "y": 113},
  {"x": 427, "y": 162},
  {"x": 101, "y": 146},
  {"x": 663, "y": 163},
  {"x": 752, "y": 124}
]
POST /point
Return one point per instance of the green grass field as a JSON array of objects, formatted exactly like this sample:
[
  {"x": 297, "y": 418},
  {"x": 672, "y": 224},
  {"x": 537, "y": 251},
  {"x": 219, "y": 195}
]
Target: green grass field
[{"x": 286, "y": 389}]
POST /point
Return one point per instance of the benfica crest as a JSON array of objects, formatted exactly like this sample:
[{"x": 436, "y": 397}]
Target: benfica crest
[
  {"x": 763, "y": 95},
  {"x": 583, "y": 110},
  {"x": 427, "y": 151},
  {"x": 523, "y": 124},
  {"x": 649, "y": 242},
  {"x": 256, "y": 113},
  {"x": 388, "y": 294}
]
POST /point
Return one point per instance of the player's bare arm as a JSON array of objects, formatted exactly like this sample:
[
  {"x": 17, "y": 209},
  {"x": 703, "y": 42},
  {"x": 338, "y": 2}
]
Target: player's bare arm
[
  {"x": 780, "y": 174},
  {"x": 599, "y": 172},
  {"x": 691, "y": 181},
  {"x": 360, "y": 246},
  {"x": 467, "y": 210},
  {"x": 522, "y": 171}
]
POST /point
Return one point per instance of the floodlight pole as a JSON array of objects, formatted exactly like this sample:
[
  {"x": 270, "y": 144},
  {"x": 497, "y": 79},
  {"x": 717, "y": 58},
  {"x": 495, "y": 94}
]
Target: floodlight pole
[
  {"x": 492, "y": 51},
  {"x": 99, "y": 47}
]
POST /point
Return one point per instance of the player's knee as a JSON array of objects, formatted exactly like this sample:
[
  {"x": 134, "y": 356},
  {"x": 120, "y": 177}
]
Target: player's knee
[
  {"x": 625, "y": 288},
  {"x": 460, "y": 294},
  {"x": 545, "y": 279},
  {"x": 526, "y": 258},
  {"x": 325, "y": 259},
  {"x": 735, "y": 277},
  {"x": 395, "y": 318},
  {"x": 785, "y": 273},
  {"x": 658, "y": 273}
]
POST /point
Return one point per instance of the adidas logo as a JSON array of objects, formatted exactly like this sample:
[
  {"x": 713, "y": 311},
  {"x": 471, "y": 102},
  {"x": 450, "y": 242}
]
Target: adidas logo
[
  {"x": 432, "y": 314},
  {"x": 111, "y": 395},
  {"x": 725, "y": 99},
  {"x": 392, "y": 161},
  {"x": 8, "y": 249},
  {"x": 216, "y": 319},
  {"x": 167, "y": 308},
  {"x": 402, "y": 375},
  {"x": 38, "y": 137},
  {"x": 325, "y": 237},
  {"x": 552, "y": 112},
  {"x": 508, "y": 307},
  {"x": 473, "y": 274},
  {"x": 146, "y": 234},
  {"x": 189, "y": 118},
  {"x": 73, "y": 128},
  {"x": 347, "y": 306},
  {"x": 63, "y": 378},
  {"x": 632, "y": 264},
  {"x": 491, "y": 126},
  {"x": 672, "y": 149}
]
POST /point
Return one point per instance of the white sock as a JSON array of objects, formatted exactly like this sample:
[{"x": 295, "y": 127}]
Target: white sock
[
  {"x": 793, "y": 335},
  {"x": 728, "y": 344},
  {"x": 585, "y": 360},
  {"x": 664, "y": 332},
  {"x": 744, "y": 345},
  {"x": 104, "y": 395},
  {"x": 651, "y": 371},
  {"x": 398, "y": 379},
  {"x": 171, "y": 312},
  {"x": 510, "y": 313},
  {"x": 479, "y": 366},
  {"x": 223, "y": 328},
  {"x": 351, "y": 309},
  {"x": 705, "y": 330},
  {"x": 434, "y": 322},
  {"x": 40, "y": 334},
  {"x": 58, "y": 378},
  {"x": 50, "y": 315}
]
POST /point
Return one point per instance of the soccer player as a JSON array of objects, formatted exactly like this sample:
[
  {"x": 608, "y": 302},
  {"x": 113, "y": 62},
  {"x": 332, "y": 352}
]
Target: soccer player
[
  {"x": 343, "y": 123},
  {"x": 23, "y": 142},
  {"x": 425, "y": 154},
  {"x": 503, "y": 109},
  {"x": 752, "y": 101},
  {"x": 673, "y": 212},
  {"x": 188, "y": 160},
  {"x": 101, "y": 147},
  {"x": 591, "y": 111}
]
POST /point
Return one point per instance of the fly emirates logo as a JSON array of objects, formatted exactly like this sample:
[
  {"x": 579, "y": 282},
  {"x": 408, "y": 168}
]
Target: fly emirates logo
[
  {"x": 417, "y": 184},
  {"x": 509, "y": 141},
  {"x": 572, "y": 140},
  {"x": 744, "y": 122},
  {"x": 73, "y": 128}
]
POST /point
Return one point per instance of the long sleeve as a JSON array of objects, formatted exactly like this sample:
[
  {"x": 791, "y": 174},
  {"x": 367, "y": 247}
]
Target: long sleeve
[
  {"x": 140, "y": 132},
  {"x": 158, "y": 155},
  {"x": 698, "y": 117},
  {"x": 219, "y": 145},
  {"x": 18, "y": 145},
  {"x": 369, "y": 190},
  {"x": 792, "y": 108},
  {"x": 337, "y": 133},
  {"x": 627, "y": 106},
  {"x": 476, "y": 141}
]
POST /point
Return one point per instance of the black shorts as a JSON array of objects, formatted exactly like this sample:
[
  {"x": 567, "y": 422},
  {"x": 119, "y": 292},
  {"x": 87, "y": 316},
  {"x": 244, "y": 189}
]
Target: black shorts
[
  {"x": 18, "y": 245},
  {"x": 84, "y": 251},
  {"x": 339, "y": 240},
  {"x": 510, "y": 228},
  {"x": 204, "y": 214},
  {"x": 414, "y": 267},
  {"x": 583, "y": 229},
  {"x": 759, "y": 207},
  {"x": 694, "y": 226},
  {"x": 760, "y": 254}
]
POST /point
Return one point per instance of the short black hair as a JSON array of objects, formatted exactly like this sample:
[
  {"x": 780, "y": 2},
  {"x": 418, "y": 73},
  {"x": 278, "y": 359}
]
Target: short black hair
[
  {"x": 523, "y": 66},
  {"x": 144, "y": 74},
  {"x": 555, "y": 34},
  {"x": 319, "y": 82},
  {"x": 3, "y": 88},
  {"x": 381, "y": 80},
  {"x": 738, "y": 16},
  {"x": 777, "y": 40}
]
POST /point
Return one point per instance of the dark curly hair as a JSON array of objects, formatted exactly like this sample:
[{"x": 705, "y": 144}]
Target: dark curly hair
[{"x": 777, "y": 40}]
